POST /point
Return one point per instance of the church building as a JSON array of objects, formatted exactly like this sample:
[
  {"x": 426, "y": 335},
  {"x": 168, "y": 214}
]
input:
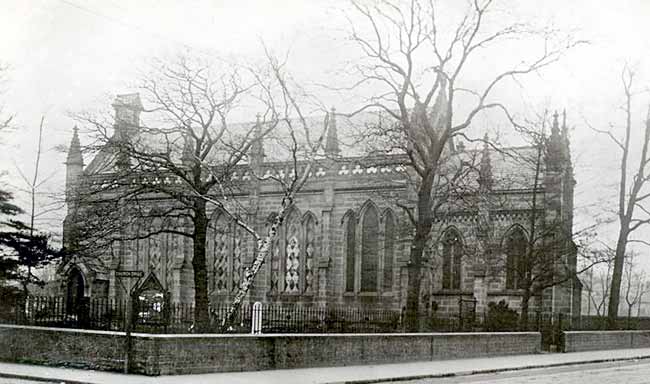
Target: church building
[{"x": 344, "y": 242}]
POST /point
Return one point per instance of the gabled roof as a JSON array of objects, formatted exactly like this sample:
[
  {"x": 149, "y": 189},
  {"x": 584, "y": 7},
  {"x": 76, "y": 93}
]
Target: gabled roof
[{"x": 511, "y": 168}]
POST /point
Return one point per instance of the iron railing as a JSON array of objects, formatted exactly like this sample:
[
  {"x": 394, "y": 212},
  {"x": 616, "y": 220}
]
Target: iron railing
[{"x": 166, "y": 317}]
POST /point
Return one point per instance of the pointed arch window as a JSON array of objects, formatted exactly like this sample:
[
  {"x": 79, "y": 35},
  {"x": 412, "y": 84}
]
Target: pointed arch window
[
  {"x": 275, "y": 254},
  {"x": 238, "y": 251},
  {"x": 515, "y": 249},
  {"x": 141, "y": 244},
  {"x": 350, "y": 247},
  {"x": 370, "y": 250},
  {"x": 292, "y": 255},
  {"x": 226, "y": 247},
  {"x": 389, "y": 249},
  {"x": 157, "y": 245},
  {"x": 452, "y": 251},
  {"x": 172, "y": 250},
  {"x": 130, "y": 259},
  {"x": 310, "y": 252},
  {"x": 219, "y": 250}
]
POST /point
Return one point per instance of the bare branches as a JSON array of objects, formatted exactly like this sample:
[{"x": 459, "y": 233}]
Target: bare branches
[
  {"x": 631, "y": 193},
  {"x": 5, "y": 120},
  {"x": 296, "y": 181},
  {"x": 419, "y": 73}
]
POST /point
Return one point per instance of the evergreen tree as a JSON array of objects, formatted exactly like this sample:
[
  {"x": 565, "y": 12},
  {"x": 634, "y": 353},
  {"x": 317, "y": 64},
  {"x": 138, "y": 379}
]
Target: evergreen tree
[{"x": 22, "y": 249}]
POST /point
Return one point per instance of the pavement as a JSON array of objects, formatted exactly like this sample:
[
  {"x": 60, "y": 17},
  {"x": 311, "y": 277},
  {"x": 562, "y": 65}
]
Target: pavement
[{"x": 349, "y": 374}]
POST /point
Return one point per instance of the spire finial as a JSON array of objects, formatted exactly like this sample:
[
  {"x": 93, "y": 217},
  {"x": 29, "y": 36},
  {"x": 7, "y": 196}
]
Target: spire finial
[
  {"x": 74, "y": 168},
  {"x": 74, "y": 152},
  {"x": 555, "y": 150},
  {"x": 555, "y": 127},
  {"x": 485, "y": 167},
  {"x": 257, "y": 146},
  {"x": 332, "y": 143},
  {"x": 187, "y": 157}
]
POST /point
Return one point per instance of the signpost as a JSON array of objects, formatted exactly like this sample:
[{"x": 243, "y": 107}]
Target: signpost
[{"x": 128, "y": 279}]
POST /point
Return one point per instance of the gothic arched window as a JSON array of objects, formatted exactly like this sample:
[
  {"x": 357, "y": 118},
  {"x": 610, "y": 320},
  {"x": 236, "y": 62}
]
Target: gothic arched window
[
  {"x": 452, "y": 250},
  {"x": 172, "y": 251},
  {"x": 369, "y": 250},
  {"x": 274, "y": 256},
  {"x": 389, "y": 249},
  {"x": 310, "y": 252},
  {"x": 219, "y": 247},
  {"x": 515, "y": 249},
  {"x": 157, "y": 245},
  {"x": 238, "y": 238},
  {"x": 350, "y": 246},
  {"x": 292, "y": 256}
]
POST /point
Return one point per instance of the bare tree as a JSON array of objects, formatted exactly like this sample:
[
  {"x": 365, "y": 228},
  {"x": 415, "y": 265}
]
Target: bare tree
[
  {"x": 280, "y": 96},
  {"x": 417, "y": 73},
  {"x": 545, "y": 254},
  {"x": 33, "y": 184},
  {"x": 5, "y": 119},
  {"x": 23, "y": 248},
  {"x": 635, "y": 284},
  {"x": 185, "y": 153},
  {"x": 633, "y": 212},
  {"x": 597, "y": 286},
  {"x": 553, "y": 245},
  {"x": 191, "y": 156}
]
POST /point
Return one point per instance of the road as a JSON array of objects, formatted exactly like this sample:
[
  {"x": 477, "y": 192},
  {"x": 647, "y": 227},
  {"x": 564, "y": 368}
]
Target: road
[
  {"x": 6, "y": 380},
  {"x": 625, "y": 372}
]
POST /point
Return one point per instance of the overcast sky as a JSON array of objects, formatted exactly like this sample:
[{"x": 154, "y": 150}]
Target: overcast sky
[{"x": 71, "y": 55}]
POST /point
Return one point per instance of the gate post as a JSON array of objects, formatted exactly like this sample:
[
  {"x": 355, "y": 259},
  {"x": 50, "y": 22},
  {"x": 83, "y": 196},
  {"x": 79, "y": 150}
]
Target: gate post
[{"x": 256, "y": 323}]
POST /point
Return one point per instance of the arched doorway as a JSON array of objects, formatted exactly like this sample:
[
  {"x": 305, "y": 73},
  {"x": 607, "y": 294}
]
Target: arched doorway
[{"x": 75, "y": 290}]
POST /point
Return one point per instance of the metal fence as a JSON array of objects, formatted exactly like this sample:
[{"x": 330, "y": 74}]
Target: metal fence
[
  {"x": 105, "y": 314},
  {"x": 165, "y": 317}
]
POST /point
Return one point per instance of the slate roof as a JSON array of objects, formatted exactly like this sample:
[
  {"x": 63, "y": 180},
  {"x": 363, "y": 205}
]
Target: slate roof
[{"x": 512, "y": 168}]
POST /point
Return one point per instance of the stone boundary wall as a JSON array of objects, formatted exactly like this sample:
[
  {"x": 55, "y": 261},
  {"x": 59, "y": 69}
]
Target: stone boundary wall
[
  {"x": 185, "y": 354},
  {"x": 77, "y": 348},
  {"x": 577, "y": 341}
]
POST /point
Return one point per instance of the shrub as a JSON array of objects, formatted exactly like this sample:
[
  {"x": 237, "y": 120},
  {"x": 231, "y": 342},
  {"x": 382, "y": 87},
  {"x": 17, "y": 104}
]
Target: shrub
[{"x": 501, "y": 318}]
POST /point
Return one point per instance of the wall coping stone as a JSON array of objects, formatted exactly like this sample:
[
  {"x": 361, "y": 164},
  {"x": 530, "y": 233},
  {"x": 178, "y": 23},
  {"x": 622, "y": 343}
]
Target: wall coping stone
[
  {"x": 70, "y": 330},
  {"x": 264, "y": 335},
  {"x": 618, "y": 331},
  {"x": 321, "y": 335}
]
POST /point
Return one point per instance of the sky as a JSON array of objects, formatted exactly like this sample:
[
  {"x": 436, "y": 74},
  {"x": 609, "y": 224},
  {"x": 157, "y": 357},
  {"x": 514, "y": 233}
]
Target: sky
[{"x": 68, "y": 56}]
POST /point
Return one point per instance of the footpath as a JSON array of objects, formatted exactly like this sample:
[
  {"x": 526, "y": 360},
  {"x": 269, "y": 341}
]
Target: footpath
[{"x": 351, "y": 374}]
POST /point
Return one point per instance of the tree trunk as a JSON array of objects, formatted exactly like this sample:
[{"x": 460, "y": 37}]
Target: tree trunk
[
  {"x": 422, "y": 229},
  {"x": 413, "y": 288},
  {"x": 525, "y": 303},
  {"x": 201, "y": 302},
  {"x": 629, "y": 315},
  {"x": 617, "y": 273}
]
